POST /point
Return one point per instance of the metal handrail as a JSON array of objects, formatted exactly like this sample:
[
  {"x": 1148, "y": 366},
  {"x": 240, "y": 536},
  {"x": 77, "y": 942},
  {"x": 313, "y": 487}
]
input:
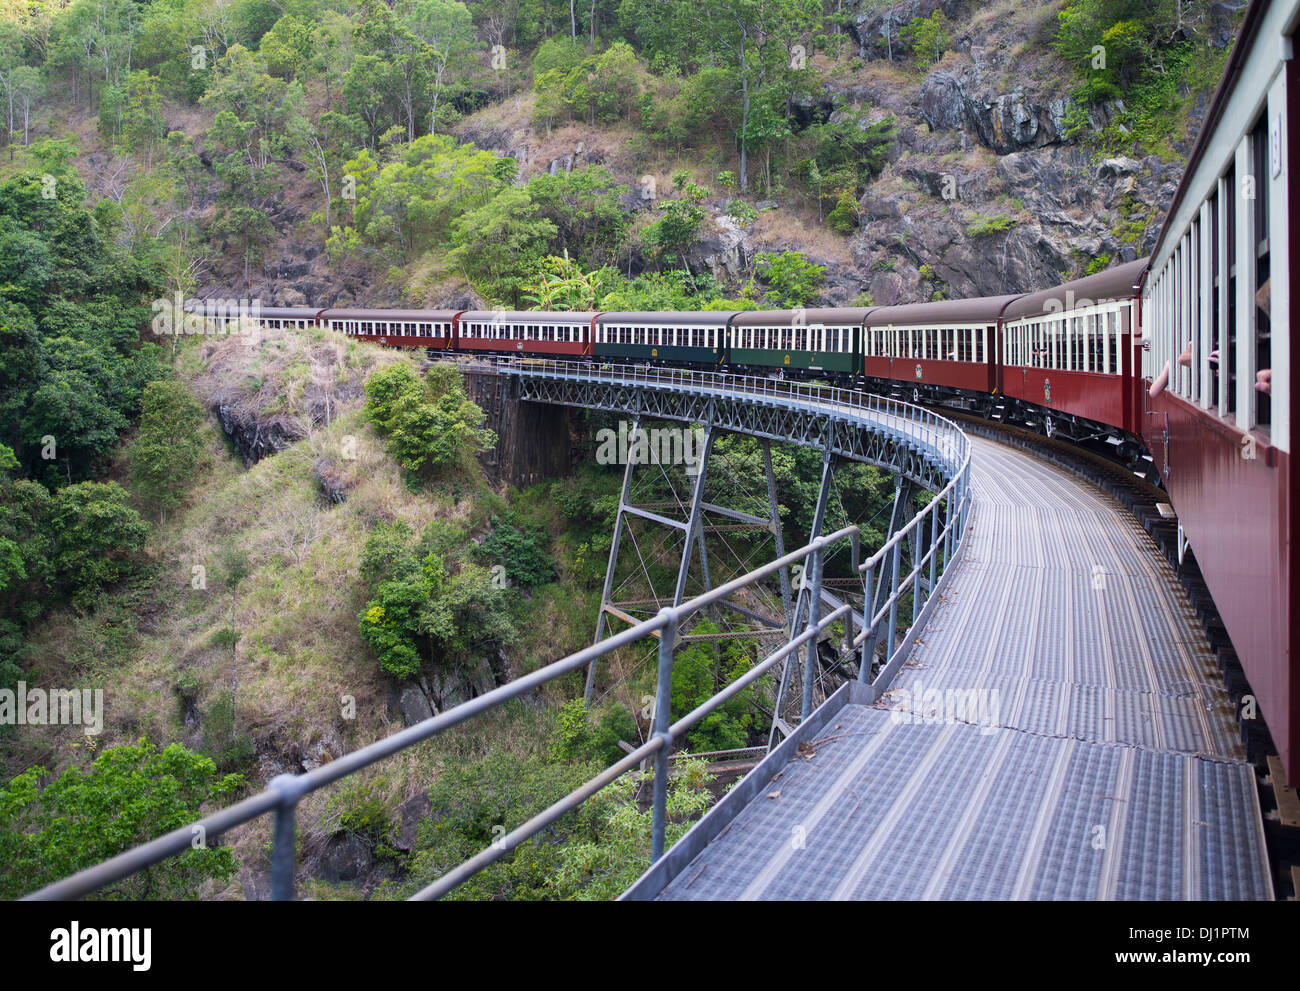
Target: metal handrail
[{"x": 283, "y": 793}]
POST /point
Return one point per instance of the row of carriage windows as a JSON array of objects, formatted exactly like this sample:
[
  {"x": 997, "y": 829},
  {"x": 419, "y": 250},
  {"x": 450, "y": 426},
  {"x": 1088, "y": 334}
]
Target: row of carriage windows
[
  {"x": 1089, "y": 341},
  {"x": 835, "y": 340},
  {"x": 812, "y": 338},
  {"x": 1210, "y": 304},
  {"x": 928, "y": 343},
  {"x": 273, "y": 324},
  {"x": 522, "y": 332},
  {"x": 379, "y": 328},
  {"x": 680, "y": 337}
]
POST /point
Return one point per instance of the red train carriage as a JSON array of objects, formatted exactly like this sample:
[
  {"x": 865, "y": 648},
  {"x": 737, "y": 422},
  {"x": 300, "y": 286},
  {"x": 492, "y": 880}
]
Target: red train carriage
[
  {"x": 397, "y": 328},
  {"x": 940, "y": 349},
  {"x": 555, "y": 335},
  {"x": 1070, "y": 351},
  {"x": 1219, "y": 404}
]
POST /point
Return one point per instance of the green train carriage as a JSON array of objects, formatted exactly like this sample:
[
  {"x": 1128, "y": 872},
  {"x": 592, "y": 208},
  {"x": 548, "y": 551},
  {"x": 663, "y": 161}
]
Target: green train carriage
[
  {"x": 681, "y": 338},
  {"x": 810, "y": 343}
]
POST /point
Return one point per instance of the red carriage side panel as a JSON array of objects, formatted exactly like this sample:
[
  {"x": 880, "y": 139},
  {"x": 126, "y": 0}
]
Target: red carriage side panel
[{"x": 1232, "y": 492}]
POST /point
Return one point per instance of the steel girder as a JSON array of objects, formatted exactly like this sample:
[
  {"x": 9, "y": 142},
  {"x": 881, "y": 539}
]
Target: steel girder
[{"x": 778, "y": 418}]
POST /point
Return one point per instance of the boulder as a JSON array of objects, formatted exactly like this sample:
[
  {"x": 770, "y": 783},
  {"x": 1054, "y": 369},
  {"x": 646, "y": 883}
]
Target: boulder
[
  {"x": 346, "y": 858},
  {"x": 1221, "y": 23},
  {"x": 414, "y": 705},
  {"x": 255, "y": 439},
  {"x": 876, "y": 32},
  {"x": 410, "y": 814}
]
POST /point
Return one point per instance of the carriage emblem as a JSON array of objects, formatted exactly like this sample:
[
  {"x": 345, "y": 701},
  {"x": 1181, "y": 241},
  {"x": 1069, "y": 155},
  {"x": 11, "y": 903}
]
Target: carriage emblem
[
  {"x": 1047, "y": 390},
  {"x": 918, "y": 371}
]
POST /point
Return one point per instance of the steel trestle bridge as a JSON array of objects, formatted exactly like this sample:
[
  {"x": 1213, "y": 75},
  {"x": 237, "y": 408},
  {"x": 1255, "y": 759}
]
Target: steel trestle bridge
[{"x": 1107, "y": 769}]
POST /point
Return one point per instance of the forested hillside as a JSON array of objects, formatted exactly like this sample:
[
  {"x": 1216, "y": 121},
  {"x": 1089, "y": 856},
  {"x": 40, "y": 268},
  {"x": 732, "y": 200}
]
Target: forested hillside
[
  {"x": 268, "y": 555},
  {"x": 619, "y": 153}
]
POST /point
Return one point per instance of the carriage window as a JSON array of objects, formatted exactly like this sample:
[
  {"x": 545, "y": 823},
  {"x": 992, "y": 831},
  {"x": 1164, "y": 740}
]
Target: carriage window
[
  {"x": 1216, "y": 316},
  {"x": 1262, "y": 328},
  {"x": 1191, "y": 340},
  {"x": 1230, "y": 351}
]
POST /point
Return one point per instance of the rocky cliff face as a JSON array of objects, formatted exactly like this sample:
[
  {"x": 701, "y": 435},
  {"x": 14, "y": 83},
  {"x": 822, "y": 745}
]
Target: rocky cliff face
[{"x": 985, "y": 192}]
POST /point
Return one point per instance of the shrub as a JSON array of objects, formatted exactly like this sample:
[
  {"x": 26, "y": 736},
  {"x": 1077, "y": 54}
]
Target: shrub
[
  {"x": 517, "y": 547},
  {"x": 793, "y": 279},
  {"x": 984, "y": 226},
  {"x": 928, "y": 37},
  {"x": 844, "y": 218},
  {"x": 129, "y": 795},
  {"x": 229, "y": 749},
  {"x": 429, "y": 424}
]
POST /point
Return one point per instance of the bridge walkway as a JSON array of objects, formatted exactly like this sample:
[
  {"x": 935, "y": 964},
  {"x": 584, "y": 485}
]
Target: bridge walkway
[{"x": 1060, "y": 732}]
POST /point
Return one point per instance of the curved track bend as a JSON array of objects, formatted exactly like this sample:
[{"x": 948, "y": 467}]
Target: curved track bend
[{"x": 1103, "y": 762}]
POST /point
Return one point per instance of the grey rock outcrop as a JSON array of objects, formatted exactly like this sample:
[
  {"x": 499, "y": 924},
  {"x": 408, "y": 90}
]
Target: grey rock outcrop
[
  {"x": 877, "y": 33},
  {"x": 1002, "y": 122},
  {"x": 254, "y": 438}
]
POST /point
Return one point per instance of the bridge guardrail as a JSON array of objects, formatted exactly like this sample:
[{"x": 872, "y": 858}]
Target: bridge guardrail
[{"x": 946, "y": 440}]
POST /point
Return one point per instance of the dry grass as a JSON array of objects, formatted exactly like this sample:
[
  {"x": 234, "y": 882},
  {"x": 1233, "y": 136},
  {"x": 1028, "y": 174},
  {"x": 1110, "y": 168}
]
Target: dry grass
[{"x": 300, "y": 657}]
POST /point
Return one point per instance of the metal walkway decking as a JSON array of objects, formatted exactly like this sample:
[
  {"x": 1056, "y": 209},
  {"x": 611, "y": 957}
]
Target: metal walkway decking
[{"x": 1098, "y": 758}]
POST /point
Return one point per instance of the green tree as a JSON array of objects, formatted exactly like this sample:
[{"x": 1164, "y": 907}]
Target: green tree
[
  {"x": 97, "y": 539},
  {"x": 446, "y": 31},
  {"x": 408, "y": 205},
  {"x": 584, "y": 206},
  {"x": 676, "y": 232},
  {"x": 794, "y": 280},
  {"x": 422, "y": 613},
  {"x": 927, "y": 37},
  {"x": 751, "y": 39},
  {"x": 701, "y": 669},
  {"x": 129, "y": 795},
  {"x": 603, "y": 868},
  {"x": 517, "y": 547},
  {"x": 169, "y": 447},
  {"x": 425, "y": 427},
  {"x": 501, "y": 243}
]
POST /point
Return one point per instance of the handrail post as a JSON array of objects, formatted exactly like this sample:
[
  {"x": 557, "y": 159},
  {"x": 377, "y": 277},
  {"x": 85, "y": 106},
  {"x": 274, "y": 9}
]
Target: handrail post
[
  {"x": 814, "y": 614},
  {"x": 893, "y": 604},
  {"x": 934, "y": 543},
  {"x": 663, "y": 720},
  {"x": 948, "y": 528},
  {"x": 915, "y": 540},
  {"x": 283, "y": 847},
  {"x": 868, "y": 641}
]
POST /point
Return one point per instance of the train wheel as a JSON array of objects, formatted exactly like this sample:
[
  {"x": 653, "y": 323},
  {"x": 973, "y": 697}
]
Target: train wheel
[{"x": 1049, "y": 427}]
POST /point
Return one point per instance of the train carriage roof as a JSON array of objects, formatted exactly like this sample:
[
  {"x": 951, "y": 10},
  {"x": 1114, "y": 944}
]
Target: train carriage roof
[
  {"x": 944, "y": 312},
  {"x": 528, "y": 316},
  {"x": 1113, "y": 284},
  {"x": 675, "y": 318},
  {"x": 391, "y": 316},
  {"x": 232, "y": 307},
  {"x": 848, "y": 316}
]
